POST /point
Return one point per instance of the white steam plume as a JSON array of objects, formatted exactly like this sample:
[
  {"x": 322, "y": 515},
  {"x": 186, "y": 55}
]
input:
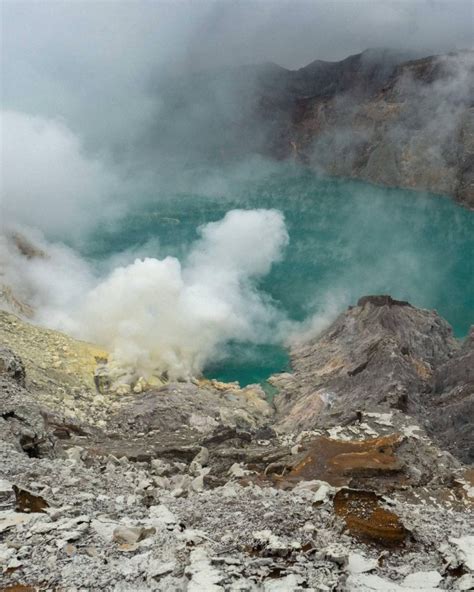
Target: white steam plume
[
  {"x": 154, "y": 315},
  {"x": 158, "y": 315},
  {"x": 52, "y": 279}
]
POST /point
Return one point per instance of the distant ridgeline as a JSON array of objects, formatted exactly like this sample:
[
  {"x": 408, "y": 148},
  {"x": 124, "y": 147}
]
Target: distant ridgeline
[{"x": 380, "y": 116}]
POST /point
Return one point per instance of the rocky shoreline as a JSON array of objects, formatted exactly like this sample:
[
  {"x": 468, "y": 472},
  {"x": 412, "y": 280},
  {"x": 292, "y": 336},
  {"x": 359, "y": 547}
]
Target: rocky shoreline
[{"x": 357, "y": 476}]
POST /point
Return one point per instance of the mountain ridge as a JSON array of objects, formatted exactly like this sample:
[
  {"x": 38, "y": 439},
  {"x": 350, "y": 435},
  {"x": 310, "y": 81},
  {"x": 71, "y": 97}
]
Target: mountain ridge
[{"x": 374, "y": 116}]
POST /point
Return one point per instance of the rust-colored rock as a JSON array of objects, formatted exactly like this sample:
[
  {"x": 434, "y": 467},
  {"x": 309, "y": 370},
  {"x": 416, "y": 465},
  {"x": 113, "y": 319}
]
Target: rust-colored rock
[
  {"x": 18, "y": 588},
  {"x": 367, "y": 520},
  {"x": 464, "y": 486},
  {"x": 339, "y": 461},
  {"x": 29, "y": 502}
]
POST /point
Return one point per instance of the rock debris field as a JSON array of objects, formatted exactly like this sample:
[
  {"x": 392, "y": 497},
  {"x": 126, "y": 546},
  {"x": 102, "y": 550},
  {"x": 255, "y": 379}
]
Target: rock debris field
[{"x": 357, "y": 476}]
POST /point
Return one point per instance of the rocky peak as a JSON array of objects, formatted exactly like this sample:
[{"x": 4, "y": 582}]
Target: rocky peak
[
  {"x": 382, "y": 354},
  {"x": 363, "y": 73},
  {"x": 412, "y": 128},
  {"x": 382, "y": 300},
  {"x": 388, "y": 117}
]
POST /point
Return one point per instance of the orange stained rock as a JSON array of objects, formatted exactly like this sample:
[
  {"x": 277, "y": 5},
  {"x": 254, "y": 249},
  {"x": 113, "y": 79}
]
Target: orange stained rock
[
  {"x": 29, "y": 502},
  {"x": 336, "y": 461},
  {"x": 367, "y": 520},
  {"x": 18, "y": 588},
  {"x": 422, "y": 369}
]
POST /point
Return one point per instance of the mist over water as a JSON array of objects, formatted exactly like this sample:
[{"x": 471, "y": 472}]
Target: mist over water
[
  {"x": 216, "y": 268},
  {"x": 166, "y": 316},
  {"x": 113, "y": 115},
  {"x": 346, "y": 239}
]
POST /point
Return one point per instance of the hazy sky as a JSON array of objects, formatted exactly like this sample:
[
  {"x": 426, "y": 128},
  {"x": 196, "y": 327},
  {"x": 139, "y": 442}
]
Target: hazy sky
[
  {"x": 136, "y": 34},
  {"x": 91, "y": 62}
]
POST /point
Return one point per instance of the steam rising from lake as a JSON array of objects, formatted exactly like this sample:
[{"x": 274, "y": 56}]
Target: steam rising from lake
[{"x": 160, "y": 315}]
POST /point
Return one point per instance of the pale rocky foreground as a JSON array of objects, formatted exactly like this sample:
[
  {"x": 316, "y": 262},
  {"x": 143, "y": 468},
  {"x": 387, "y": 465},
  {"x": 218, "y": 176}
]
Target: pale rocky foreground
[{"x": 335, "y": 485}]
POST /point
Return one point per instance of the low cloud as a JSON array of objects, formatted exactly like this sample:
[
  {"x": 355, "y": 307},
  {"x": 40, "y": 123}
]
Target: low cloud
[{"x": 48, "y": 181}]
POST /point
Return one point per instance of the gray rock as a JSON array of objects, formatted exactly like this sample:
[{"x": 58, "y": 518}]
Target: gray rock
[
  {"x": 11, "y": 366},
  {"x": 450, "y": 406},
  {"x": 378, "y": 354},
  {"x": 131, "y": 534},
  {"x": 147, "y": 504},
  {"x": 7, "y": 495},
  {"x": 22, "y": 420}
]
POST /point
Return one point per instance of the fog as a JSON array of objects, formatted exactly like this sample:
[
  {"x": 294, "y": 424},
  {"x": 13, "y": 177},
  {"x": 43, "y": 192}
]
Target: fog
[
  {"x": 47, "y": 179},
  {"x": 183, "y": 313},
  {"x": 98, "y": 64},
  {"x": 125, "y": 79},
  {"x": 106, "y": 105}
]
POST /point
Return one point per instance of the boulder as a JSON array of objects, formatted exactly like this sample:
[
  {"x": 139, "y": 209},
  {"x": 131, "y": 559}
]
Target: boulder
[
  {"x": 450, "y": 405},
  {"x": 379, "y": 354}
]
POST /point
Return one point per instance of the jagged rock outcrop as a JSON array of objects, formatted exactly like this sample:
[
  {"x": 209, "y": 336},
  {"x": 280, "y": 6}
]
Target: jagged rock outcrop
[
  {"x": 414, "y": 131},
  {"x": 59, "y": 369},
  {"x": 382, "y": 354},
  {"x": 450, "y": 405},
  {"x": 11, "y": 366},
  {"x": 21, "y": 421}
]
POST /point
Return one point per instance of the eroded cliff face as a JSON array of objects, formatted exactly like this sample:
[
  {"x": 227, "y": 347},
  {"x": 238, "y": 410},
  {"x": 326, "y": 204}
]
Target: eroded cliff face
[
  {"x": 415, "y": 131},
  {"x": 382, "y": 116},
  {"x": 383, "y": 355}
]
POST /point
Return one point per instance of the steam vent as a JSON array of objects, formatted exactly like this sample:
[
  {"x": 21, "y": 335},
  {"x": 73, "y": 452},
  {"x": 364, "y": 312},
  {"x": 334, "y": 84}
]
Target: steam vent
[{"x": 237, "y": 296}]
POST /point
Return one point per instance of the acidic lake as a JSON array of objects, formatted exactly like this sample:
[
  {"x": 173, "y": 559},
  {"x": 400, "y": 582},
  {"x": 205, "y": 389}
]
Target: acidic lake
[{"x": 347, "y": 239}]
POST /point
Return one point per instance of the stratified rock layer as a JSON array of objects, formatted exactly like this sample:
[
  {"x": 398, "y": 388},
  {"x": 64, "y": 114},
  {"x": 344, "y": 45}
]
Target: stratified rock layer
[
  {"x": 415, "y": 131},
  {"x": 450, "y": 404}
]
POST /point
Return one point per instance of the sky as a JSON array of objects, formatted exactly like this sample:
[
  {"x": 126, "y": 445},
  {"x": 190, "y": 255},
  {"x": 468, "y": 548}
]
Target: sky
[
  {"x": 72, "y": 57},
  {"x": 81, "y": 79}
]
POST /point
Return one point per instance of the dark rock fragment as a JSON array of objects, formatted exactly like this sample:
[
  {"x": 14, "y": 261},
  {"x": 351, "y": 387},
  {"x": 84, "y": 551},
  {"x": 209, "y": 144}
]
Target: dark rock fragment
[
  {"x": 26, "y": 501},
  {"x": 337, "y": 461},
  {"x": 12, "y": 366}
]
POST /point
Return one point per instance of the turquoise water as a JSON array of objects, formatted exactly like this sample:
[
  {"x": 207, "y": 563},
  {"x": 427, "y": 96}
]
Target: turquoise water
[{"x": 347, "y": 239}]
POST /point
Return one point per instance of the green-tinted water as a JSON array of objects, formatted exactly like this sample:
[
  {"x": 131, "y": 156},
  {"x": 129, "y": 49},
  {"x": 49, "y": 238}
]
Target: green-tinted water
[{"x": 347, "y": 239}]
